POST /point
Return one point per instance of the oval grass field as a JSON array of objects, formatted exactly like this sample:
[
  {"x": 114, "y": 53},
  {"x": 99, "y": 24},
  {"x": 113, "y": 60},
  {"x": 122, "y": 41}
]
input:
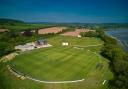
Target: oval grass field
[
  {"x": 62, "y": 63},
  {"x": 56, "y": 63}
]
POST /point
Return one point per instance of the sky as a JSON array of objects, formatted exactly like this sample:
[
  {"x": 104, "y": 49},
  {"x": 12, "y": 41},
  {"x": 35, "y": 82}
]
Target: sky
[{"x": 80, "y": 11}]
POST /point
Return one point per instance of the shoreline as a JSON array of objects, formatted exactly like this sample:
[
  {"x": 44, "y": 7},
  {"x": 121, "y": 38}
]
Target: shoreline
[{"x": 118, "y": 40}]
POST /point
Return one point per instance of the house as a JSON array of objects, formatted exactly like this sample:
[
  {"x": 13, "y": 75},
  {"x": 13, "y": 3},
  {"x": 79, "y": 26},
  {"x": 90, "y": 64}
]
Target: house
[{"x": 41, "y": 42}]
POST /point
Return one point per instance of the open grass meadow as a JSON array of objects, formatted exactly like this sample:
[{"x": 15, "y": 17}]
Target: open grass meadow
[
  {"x": 84, "y": 41},
  {"x": 61, "y": 63},
  {"x": 23, "y": 26}
]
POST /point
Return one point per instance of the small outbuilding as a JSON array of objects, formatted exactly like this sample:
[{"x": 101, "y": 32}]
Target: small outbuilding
[
  {"x": 79, "y": 36},
  {"x": 65, "y": 43}
]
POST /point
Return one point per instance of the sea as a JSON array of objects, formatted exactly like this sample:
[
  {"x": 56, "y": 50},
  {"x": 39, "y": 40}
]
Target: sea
[{"x": 121, "y": 34}]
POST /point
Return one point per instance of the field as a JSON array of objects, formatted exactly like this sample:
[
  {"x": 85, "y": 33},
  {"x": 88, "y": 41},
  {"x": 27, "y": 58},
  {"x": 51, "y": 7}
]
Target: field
[
  {"x": 3, "y": 30},
  {"x": 50, "y": 30},
  {"x": 76, "y": 32},
  {"x": 57, "y": 41},
  {"x": 62, "y": 63},
  {"x": 23, "y": 26}
]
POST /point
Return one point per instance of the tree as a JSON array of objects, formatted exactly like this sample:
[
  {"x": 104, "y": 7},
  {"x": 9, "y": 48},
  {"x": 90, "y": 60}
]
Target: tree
[
  {"x": 27, "y": 33},
  {"x": 89, "y": 34}
]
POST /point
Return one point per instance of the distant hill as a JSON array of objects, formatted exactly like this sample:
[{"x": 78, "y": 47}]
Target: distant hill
[{"x": 4, "y": 21}]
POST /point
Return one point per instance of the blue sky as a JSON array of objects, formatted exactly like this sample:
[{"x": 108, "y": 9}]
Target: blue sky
[{"x": 83, "y": 11}]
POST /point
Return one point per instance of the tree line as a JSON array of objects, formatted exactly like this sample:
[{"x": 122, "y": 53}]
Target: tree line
[
  {"x": 118, "y": 61},
  {"x": 116, "y": 55}
]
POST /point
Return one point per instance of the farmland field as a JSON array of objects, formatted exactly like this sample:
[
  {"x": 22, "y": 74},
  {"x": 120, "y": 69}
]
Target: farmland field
[
  {"x": 62, "y": 63},
  {"x": 50, "y": 30}
]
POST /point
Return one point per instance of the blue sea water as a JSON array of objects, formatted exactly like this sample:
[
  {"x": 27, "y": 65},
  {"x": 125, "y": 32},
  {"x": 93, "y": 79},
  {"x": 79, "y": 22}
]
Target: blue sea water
[{"x": 121, "y": 34}]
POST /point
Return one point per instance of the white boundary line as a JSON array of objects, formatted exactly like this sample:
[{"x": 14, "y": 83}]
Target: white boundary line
[
  {"x": 41, "y": 81},
  {"x": 55, "y": 81},
  {"x": 88, "y": 46}
]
